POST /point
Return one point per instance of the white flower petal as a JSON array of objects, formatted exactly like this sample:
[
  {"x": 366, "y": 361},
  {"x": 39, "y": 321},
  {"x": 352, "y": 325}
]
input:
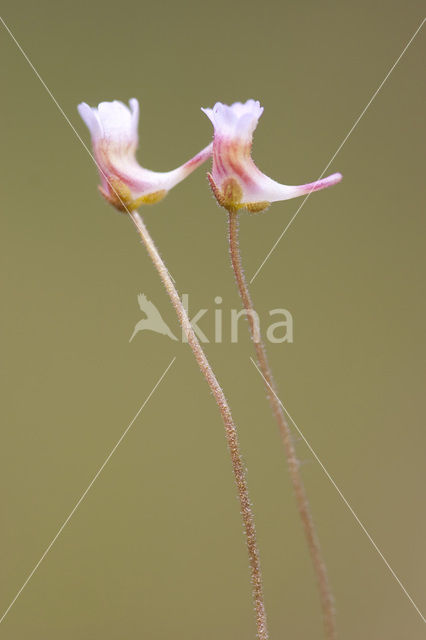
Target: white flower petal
[
  {"x": 91, "y": 119},
  {"x": 134, "y": 108},
  {"x": 116, "y": 121},
  {"x": 209, "y": 113},
  {"x": 239, "y": 119}
]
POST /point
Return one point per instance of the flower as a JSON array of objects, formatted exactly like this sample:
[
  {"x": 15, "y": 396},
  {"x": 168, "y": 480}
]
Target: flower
[
  {"x": 125, "y": 184},
  {"x": 236, "y": 181}
]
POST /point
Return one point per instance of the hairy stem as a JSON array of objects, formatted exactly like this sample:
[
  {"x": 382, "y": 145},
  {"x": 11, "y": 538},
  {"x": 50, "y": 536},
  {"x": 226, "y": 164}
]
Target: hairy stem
[
  {"x": 326, "y": 597},
  {"x": 230, "y": 430}
]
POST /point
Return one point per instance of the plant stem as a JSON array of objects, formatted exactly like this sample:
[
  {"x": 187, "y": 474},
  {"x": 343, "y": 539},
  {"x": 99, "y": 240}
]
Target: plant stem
[
  {"x": 326, "y": 597},
  {"x": 230, "y": 429}
]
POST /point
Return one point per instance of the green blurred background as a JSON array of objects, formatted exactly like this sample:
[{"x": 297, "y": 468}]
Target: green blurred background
[{"x": 156, "y": 549}]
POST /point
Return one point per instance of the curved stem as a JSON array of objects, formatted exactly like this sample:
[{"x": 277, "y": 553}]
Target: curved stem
[
  {"x": 230, "y": 430},
  {"x": 290, "y": 452}
]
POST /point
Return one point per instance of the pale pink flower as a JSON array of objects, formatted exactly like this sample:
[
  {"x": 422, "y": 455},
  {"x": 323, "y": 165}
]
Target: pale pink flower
[
  {"x": 125, "y": 184},
  {"x": 235, "y": 179}
]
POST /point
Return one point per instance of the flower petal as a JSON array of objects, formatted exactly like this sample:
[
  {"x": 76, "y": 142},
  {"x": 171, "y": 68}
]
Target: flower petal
[
  {"x": 117, "y": 121},
  {"x": 134, "y": 108},
  {"x": 91, "y": 119},
  {"x": 239, "y": 119}
]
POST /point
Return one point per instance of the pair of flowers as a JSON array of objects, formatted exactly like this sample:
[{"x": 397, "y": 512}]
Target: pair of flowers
[
  {"x": 236, "y": 181},
  {"x": 237, "y": 184}
]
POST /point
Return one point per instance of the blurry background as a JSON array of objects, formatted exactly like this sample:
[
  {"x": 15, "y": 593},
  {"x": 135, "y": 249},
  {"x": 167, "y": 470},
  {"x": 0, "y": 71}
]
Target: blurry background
[{"x": 156, "y": 549}]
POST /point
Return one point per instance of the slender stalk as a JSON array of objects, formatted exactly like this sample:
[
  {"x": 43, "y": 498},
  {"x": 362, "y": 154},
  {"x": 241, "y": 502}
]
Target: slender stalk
[
  {"x": 230, "y": 430},
  {"x": 290, "y": 452}
]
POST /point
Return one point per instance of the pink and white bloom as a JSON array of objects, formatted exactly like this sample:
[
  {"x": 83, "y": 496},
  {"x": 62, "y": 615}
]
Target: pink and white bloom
[
  {"x": 235, "y": 179},
  {"x": 124, "y": 183}
]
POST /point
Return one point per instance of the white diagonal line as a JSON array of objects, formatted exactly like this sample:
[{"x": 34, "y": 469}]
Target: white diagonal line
[
  {"x": 111, "y": 186},
  {"x": 333, "y": 482},
  {"x": 48, "y": 91},
  {"x": 84, "y": 494},
  {"x": 340, "y": 147}
]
